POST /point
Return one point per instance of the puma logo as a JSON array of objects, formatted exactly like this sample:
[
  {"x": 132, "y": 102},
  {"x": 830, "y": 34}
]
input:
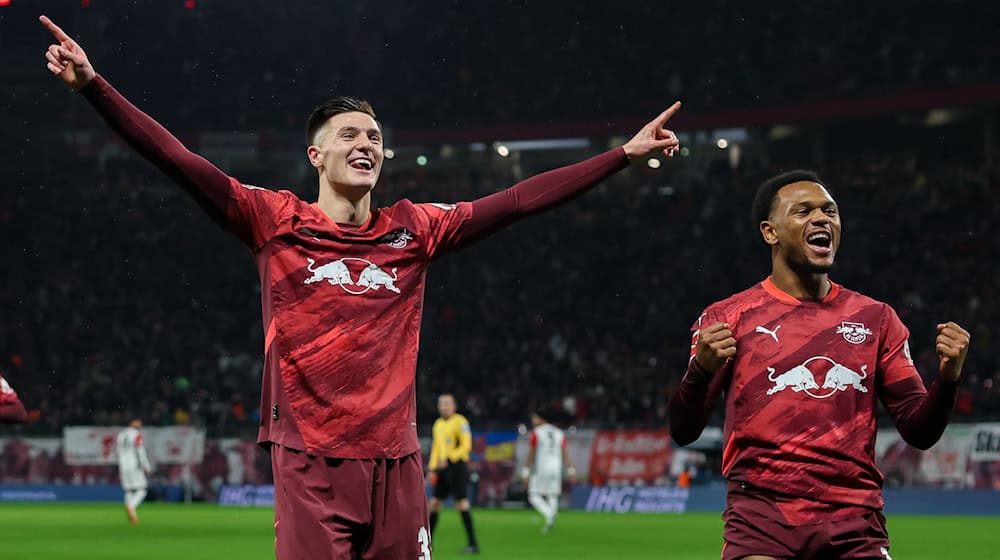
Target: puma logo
[{"x": 773, "y": 334}]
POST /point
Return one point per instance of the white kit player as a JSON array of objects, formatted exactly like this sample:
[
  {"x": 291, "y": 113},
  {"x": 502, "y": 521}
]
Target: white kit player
[
  {"x": 133, "y": 467},
  {"x": 544, "y": 468}
]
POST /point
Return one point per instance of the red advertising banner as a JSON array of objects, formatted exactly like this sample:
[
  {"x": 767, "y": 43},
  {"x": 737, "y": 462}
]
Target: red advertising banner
[{"x": 630, "y": 457}]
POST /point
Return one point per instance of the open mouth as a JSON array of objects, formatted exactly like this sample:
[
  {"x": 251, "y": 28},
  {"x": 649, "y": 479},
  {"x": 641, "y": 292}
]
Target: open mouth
[
  {"x": 821, "y": 242},
  {"x": 362, "y": 164}
]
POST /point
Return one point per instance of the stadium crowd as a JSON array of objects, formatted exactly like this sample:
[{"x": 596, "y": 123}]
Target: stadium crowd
[
  {"x": 504, "y": 61},
  {"x": 123, "y": 298}
]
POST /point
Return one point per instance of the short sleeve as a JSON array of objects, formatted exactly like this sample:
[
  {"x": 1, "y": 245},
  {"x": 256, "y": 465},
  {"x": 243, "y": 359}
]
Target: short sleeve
[
  {"x": 255, "y": 214},
  {"x": 443, "y": 225},
  {"x": 894, "y": 361}
]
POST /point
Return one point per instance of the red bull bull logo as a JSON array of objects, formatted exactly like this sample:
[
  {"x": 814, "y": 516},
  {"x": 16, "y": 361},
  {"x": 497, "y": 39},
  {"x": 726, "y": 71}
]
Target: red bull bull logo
[
  {"x": 338, "y": 273},
  {"x": 801, "y": 379}
]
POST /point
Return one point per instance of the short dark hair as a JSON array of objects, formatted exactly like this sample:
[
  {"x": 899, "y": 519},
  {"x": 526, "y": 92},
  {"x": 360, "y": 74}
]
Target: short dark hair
[
  {"x": 336, "y": 106},
  {"x": 763, "y": 202}
]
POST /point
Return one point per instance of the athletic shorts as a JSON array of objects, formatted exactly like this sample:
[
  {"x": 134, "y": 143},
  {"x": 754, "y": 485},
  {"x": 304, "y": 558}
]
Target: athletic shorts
[
  {"x": 326, "y": 509},
  {"x": 453, "y": 481},
  {"x": 547, "y": 482},
  {"x": 753, "y": 530},
  {"x": 132, "y": 479}
]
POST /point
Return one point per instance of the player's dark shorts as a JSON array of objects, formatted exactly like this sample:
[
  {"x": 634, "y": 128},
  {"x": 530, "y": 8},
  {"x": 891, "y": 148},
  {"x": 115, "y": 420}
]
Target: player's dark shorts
[
  {"x": 752, "y": 530},
  {"x": 348, "y": 508},
  {"x": 453, "y": 481}
]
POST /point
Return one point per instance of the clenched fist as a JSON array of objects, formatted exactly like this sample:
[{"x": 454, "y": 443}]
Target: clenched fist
[
  {"x": 952, "y": 345},
  {"x": 715, "y": 345}
]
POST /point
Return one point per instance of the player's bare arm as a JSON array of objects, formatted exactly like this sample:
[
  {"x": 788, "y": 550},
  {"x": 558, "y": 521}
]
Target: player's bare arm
[
  {"x": 952, "y": 346},
  {"x": 67, "y": 60},
  {"x": 716, "y": 344}
]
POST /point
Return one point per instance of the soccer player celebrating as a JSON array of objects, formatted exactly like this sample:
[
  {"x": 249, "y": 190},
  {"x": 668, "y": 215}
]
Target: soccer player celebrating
[
  {"x": 547, "y": 454},
  {"x": 342, "y": 286},
  {"x": 11, "y": 409},
  {"x": 801, "y": 361},
  {"x": 133, "y": 467},
  {"x": 449, "y": 461}
]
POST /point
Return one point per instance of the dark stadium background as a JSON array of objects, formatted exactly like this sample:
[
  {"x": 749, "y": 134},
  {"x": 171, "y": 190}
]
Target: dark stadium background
[{"x": 118, "y": 297}]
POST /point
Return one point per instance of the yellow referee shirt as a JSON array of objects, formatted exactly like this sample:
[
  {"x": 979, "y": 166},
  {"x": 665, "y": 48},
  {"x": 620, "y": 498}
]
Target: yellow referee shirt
[{"x": 452, "y": 440}]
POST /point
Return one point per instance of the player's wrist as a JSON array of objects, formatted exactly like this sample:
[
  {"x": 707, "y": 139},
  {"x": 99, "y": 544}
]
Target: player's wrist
[
  {"x": 525, "y": 472},
  {"x": 571, "y": 471},
  {"x": 698, "y": 371}
]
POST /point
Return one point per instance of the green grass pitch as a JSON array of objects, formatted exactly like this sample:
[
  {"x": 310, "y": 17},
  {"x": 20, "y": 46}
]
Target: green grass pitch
[{"x": 180, "y": 532}]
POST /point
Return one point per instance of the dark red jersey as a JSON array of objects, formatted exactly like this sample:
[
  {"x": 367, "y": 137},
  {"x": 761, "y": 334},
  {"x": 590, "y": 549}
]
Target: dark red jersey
[
  {"x": 341, "y": 304},
  {"x": 342, "y": 308},
  {"x": 800, "y": 397}
]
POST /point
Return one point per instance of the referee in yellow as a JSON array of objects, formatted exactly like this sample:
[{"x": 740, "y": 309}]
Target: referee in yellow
[{"x": 449, "y": 466}]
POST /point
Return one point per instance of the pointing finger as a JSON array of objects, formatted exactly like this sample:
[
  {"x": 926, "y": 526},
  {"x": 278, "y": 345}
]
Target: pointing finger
[
  {"x": 56, "y": 31},
  {"x": 666, "y": 115}
]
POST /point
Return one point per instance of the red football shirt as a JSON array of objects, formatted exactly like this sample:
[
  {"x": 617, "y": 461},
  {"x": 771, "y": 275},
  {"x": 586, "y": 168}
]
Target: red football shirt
[
  {"x": 800, "y": 396},
  {"x": 341, "y": 304},
  {"x": 342, "y": 308}
]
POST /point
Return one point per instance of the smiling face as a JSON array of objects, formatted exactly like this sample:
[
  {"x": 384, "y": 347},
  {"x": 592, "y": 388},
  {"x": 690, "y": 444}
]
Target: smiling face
[
  {"x": 803, "y": 227},
  {"x": 347, "y": 152}
]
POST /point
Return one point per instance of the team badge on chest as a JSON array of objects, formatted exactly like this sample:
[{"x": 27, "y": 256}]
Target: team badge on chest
[{"x": 855, "y": 333}]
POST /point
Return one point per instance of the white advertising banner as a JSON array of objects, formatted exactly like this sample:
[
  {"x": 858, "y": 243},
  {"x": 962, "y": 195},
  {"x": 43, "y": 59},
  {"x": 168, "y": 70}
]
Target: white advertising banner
[
  {"x": 95, "y": 445},
  {"x": 985, "y": 442}
]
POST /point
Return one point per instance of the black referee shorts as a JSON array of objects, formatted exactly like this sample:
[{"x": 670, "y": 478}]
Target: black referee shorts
[{"x": 453, "y": 481}]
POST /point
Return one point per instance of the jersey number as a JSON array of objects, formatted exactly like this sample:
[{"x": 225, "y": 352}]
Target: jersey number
[{"x": 424, "y": 538}]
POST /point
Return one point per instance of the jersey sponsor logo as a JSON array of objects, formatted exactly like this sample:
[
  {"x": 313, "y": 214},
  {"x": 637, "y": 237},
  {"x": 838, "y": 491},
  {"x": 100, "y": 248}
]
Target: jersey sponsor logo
[
  {"x": 338, "y": 273},
  {"x": 773, "y": 334},
  {"x": 445, "y": 207},
  {"x": 855, "y": 333},
  {"x": 5, "y": 387},
  {"x": 801, "y": 379},
  {"x": 885, "y": 552}
]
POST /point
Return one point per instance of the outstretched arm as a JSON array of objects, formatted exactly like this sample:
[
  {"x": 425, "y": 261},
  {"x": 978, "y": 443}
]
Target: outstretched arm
[
  {"x": 209, "y": 186},
  {"x": 552, "y": 188}
]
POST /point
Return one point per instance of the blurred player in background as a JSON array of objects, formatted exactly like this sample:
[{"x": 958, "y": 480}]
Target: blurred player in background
[
  {"x": 11, "y": 409},
  {"x": 543, "y": 468},
  {"x": 342, "y": 288},
  {"x": 801, "y": 361},
  {"x": 449, "y": 462},
  {"x": 133, "y": 467}
]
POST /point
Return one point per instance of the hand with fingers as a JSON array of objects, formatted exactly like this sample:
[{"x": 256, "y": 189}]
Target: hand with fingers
[
  {"x": 67, "y": 60},
  {"x": 715, "y": 346},
  {"x": 653, "y": 137},
  {"x": 952, "y": 345}
]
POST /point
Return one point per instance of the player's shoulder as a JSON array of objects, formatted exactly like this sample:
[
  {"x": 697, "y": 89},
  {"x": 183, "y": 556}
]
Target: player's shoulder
[
  {"x": 460, "y": 419},
  {"x": 276, "y": 194},
  {"x": 736, "y": 304},
  {"x": 406, "y": 208},
  {"x": 855, "y": 300}
]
